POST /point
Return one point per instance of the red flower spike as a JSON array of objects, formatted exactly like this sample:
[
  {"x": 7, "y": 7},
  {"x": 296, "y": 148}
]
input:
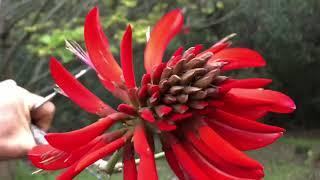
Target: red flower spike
[
  {"x": 218, "y": 113},
  {"x": 242, "y": 123},
  {"x": 251, "y": 83},
  {"x": 226, "y": 150},
  {"x": 147, "y": 115},
  {"x": 172, "y": 22},
  {"x": 67, "y": 141},
  {"x": 129, "y": 165},
  {"x": 279, "y": 102},
  {"x": 147, "y": 168},
  {"x": 125, "y": 108},
  {"x": 98, "y": 48},
  {"x": 237, "y": 58},
  {"x": 241, "y": 139},
  {"x": 127, "y": 59},
  {"x": 77, "y": 92}
]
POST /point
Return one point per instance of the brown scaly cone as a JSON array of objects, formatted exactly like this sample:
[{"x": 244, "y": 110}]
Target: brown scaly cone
[{"x": 175, "y": 89}]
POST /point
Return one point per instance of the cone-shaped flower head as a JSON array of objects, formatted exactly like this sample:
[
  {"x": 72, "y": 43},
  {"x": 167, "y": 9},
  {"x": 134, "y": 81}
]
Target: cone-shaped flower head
[{"x": 204, "y": 120}]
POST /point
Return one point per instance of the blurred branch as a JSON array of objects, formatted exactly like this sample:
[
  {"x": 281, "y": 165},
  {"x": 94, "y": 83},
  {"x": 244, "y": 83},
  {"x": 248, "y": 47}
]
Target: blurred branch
[{"x": 11, "y": 51}]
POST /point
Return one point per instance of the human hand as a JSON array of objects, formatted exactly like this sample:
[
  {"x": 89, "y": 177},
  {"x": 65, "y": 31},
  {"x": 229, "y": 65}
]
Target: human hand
[{"x": 16, "y": 113}]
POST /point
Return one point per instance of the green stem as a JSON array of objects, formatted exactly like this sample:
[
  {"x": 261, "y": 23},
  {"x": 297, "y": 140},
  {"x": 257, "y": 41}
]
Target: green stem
[{"x": 112, "y": 162}]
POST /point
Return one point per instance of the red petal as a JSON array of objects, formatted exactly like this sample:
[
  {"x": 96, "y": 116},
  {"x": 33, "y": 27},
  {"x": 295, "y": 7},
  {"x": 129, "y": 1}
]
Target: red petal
[
  {"x": 242, "y": 123},
  {"x": 128, "y": 109},
  {"x": 208, "y": 167},
  {"x": 178, "y": 52},
  {"x": 147, "y": 168},
  {"x": 237, "y": 58},
  {"x": 197, "y": 49},
  {"x": 163, "y": 110},
  {"x": 156, "y": 73},
  {"x": 174, "y": 60},
  {"x": 166, "y": 28},
  {"x": 98, "y": 48},
  {"x": 225, "y": 150},
  {"x": 77, "y": 92},
  {"x": 36, "y": 156},
  {"x": 172, "y": 161},
  {"x": 251, "y": 83},
  {"x": 216, "y": 48},
  {"x": 187, "y": 163},
  {"x": 278, "y": 102},
  {"x": 129, "y": 165},
  {"x": 92, "y": 157},
  {"x": 126, "y": 58},
  {"x": 71, "y": 140},
  {"x": 164, "y": 125},
  {"x": 180, "y": 117},
  {"x": 146, "y": 79},
  {"x": 244, "y": 140},
  {"x": 220, "y": 163},
  {"x": 252, "y": 113},
  {"x": 147, "y": 115}
]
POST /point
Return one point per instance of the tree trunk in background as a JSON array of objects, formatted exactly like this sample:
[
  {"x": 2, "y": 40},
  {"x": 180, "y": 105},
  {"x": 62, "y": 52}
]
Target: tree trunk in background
[{"x": 7, "y": 170}]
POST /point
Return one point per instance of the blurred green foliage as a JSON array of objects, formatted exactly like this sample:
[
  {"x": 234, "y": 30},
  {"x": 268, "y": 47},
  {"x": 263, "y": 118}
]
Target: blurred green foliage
[{"x": 285, "y": 32}]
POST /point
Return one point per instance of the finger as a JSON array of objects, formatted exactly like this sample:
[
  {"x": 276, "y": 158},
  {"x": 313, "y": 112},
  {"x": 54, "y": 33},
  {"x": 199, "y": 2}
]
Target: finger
[
  {"x": 43, "y": 116},
  {"x": 8, "y": 82}
]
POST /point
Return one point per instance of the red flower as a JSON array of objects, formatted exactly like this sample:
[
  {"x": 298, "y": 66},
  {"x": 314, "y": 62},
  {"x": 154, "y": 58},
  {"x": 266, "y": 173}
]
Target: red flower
[{"x": 204, "y": 120}]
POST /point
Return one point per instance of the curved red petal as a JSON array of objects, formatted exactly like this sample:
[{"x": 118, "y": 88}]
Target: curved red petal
[
  {"x": 250, "y": 83},
  {"x": 237, "y": 58},
  {"x": 127, "y": 59},
  {"x": 92, "y": 157},
  {"x": 147, "y": 114},
  {"x": 174, "y": 165},
  {"x": 39, "y": 154},
  {"x": 186, "y": 162},
  {"x": 225, "y": 150},
  {"x": 164, "y": 125},
  {"x": 241, "y": 139},
  {"x": 242, "y": 123},
  {"x": 220, "y": 163},
  {"x": 252, "y": 113},
  {"x": 216, "y": 48},
  {"x": 129, "y": 165},
  {"x": 147, "y": 168},
  {"x": 278, "y": 102},
  {"x": 208, "y": 167},
  {"x": 76, "y": 91},
  {"x": 98, "y": 48},
  {"x": 166, "y": 28},
  {"x": 71, "y": 140}
]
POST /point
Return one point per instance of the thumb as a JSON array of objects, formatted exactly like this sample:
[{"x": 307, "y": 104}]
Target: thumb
[{"x": 43, "y": 115}]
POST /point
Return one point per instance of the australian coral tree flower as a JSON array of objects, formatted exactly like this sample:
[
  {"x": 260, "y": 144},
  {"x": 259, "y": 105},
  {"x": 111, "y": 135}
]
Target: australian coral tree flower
[{"x": 204, "y": 120}]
